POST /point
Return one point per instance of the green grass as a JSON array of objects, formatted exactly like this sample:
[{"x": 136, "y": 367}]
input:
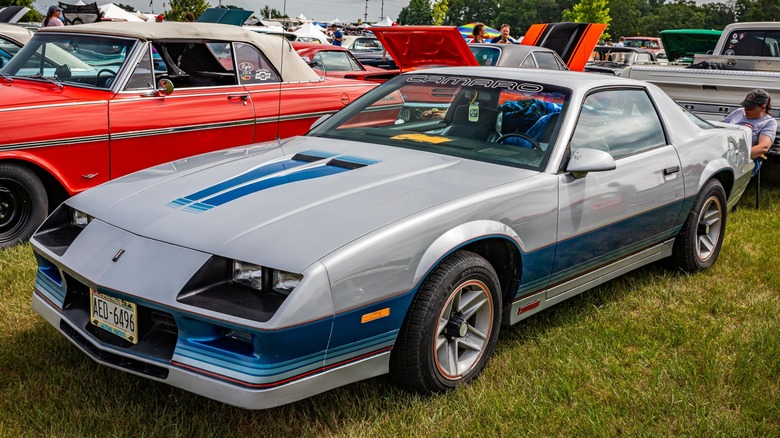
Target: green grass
[{"x": 652, "y": 353}]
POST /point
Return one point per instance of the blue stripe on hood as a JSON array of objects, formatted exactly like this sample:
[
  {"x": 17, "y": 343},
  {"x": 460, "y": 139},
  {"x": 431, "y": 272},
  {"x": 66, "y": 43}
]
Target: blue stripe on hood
[{"x": 264, "y": 178}]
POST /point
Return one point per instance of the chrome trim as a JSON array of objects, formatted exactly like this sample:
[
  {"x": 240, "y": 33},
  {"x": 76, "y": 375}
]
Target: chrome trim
[
  {"x": 179, "y": 129},
  {"x": 51, "y": 143},
  {"x": 294, "y": 117},
  {"x": 55, "y": 105}
]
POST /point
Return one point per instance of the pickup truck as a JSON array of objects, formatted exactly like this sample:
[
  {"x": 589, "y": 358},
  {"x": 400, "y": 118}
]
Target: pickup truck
[{"x": 746, "y": 56}]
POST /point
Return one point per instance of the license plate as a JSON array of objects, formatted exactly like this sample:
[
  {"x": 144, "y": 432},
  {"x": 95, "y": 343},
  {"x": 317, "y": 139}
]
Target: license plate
[{"x": 114, "y": 315}]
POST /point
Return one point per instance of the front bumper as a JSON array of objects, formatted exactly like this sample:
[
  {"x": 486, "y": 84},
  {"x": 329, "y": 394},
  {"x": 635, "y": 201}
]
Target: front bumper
[{"x": 202, "y": 384}]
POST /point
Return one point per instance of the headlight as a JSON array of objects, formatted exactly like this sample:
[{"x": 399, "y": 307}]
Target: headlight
[
  {"x": 264, "y": 279},
  {"x": 79, "y": 218},
  {"x": 248, "y": 274},
  {"x": 285, "y": 282}
]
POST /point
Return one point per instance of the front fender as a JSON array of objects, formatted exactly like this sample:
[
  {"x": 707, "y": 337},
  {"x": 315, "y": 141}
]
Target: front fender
[{"x": 458, "y": 237}]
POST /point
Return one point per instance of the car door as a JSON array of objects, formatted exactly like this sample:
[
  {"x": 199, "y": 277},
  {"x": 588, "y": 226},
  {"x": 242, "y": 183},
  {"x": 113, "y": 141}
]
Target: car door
[
  {"x": 611, "y": 215},
  {"x": 207, "y": 110},
  {"x": 263, "y": 83}
]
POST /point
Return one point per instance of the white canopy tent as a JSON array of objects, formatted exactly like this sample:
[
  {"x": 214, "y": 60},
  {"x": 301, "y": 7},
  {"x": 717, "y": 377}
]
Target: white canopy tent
[
  {"x": 311, "y": 30},
  {"x": 335, "y": 21},
  {"x": 384, "y": 22},
  {"x": 111, "y": 10}
]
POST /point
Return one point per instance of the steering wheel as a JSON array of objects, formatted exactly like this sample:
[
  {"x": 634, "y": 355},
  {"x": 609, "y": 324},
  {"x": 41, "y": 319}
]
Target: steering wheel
[
  {"x": 108, "y": 80},
  {"x": 534, "y": 143}
]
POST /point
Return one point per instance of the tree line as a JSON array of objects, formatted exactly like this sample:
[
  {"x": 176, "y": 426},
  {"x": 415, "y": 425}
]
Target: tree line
[{"x": 623, "y": 17}]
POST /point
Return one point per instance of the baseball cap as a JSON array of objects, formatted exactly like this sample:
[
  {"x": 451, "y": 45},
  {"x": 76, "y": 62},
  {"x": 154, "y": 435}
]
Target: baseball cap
[
  {"x": 54, "y": 8},
  {"x": 755, "y": 98}
]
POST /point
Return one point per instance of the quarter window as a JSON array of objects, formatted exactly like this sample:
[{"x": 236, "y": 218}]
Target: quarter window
[
  {"x": 620, "y": 122},
  {"x": 253, "y": 68}
]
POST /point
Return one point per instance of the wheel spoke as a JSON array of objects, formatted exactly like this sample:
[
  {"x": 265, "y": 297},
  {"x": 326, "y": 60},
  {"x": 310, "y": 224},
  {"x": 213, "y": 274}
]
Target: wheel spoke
[
  {"x": 472, "y": 343},
  {"x": 711, "y": 217},
  {"x": 473, "y": 332},
  {"x": 705, "y": 244},
  {"x": 476, "y": 302},
  {"x": 452, "y": 352}
]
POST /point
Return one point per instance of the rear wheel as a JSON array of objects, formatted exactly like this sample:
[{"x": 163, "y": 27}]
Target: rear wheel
[
  {"x": 699, "y": 242},
  {"x": 451, "y": 327},
  {"x": 23, "y": 204}
]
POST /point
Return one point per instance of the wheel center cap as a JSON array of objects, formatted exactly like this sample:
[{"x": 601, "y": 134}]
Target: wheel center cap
[{"x": 463, "y": 329}]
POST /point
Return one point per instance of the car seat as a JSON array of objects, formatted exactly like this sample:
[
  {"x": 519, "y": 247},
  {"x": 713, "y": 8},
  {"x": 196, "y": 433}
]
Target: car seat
[{"x": 479, "y": 125}]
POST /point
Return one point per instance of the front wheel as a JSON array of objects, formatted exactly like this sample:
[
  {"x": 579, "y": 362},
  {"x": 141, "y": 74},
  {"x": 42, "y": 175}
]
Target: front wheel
[
  {"x": 23, "y": 204},
  {"x": 699, "y": 242},
  {"x": 451, "y": 327}
]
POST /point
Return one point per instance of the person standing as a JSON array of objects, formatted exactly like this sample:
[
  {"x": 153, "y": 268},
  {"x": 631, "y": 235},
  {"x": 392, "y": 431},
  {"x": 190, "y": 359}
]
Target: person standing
[
  {"x": 755, "y": 115},
  {"x": 504, "y": 38},
  {"x": 621, "y": 42},
  {"x": 53, "y": 17},
  {"x": 478, "y": 33},
  {"x": 338, "y": 37}
]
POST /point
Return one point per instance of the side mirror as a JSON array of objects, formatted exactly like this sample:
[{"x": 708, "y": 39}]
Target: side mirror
[
  {"x": 62, "y": 72},
  {"x": 164, "y": 87},
  {"x": 585, "y": 160}
]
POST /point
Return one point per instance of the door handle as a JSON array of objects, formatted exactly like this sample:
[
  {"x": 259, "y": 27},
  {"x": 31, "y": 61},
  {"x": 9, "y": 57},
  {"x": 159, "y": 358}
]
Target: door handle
[
  {"x": 243, "y": 97},
  {"x": 671, "y": 170}
]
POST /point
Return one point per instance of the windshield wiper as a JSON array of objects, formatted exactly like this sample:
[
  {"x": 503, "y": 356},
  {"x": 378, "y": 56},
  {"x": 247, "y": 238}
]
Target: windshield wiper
[
  {"x": 59, "y": 84},
  {"x": 7, "y": 77}
]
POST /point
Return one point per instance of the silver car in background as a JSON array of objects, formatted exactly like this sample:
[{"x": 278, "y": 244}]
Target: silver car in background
[{"x": 265, "y": 274}]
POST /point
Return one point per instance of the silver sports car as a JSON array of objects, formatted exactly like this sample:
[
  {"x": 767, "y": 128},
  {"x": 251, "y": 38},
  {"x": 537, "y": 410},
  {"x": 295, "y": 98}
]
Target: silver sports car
[{"x": 265, "y": 274}]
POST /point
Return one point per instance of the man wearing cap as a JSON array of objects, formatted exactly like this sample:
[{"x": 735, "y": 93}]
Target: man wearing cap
[
  {"x": 755, "y": 115},
  {"x": 338, "y": 37},
  {"x": 53, "y": 17}
]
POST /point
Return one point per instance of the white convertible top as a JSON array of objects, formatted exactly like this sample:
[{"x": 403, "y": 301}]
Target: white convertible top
[{"x": 278, "y": 50}]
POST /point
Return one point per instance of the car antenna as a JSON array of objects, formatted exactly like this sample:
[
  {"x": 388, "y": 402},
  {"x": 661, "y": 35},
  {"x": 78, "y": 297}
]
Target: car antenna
[{"x": 281, "y": 72}]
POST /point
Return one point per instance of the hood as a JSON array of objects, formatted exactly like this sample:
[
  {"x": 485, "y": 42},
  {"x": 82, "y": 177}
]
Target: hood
[
  {"x": 414, "y": 47},
  {"x": 285, "y": 205},
  {"x": 27, "y": 92},
  {"x": 574, "y": 42},
  {"x": 684, "y": 43}
]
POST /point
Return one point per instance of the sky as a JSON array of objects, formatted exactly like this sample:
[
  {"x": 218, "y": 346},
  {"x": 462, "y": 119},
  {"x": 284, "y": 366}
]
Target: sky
[{"x": 319, "y": 10}]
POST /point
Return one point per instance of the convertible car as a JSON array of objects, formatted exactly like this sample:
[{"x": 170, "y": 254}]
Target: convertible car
[
  {"x": 85, "y": 104},
  {"x": 265, "y": 274}
]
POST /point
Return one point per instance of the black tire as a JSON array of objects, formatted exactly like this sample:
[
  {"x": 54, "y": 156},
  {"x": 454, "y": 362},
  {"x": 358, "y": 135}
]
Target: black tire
[
  {"x": 467, "y": 338},
  {"x": 699, "y": 242},
  {"x": 23, "y": 204}
]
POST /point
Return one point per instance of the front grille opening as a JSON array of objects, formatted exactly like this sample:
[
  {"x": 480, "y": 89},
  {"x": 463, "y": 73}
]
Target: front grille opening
[
  {"x": 114, "y": 359},
  {"x": 157, "y": 329}
]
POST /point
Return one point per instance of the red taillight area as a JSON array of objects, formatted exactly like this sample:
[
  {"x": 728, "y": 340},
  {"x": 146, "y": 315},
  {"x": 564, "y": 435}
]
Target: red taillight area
[{"x": 528, "y": 307}]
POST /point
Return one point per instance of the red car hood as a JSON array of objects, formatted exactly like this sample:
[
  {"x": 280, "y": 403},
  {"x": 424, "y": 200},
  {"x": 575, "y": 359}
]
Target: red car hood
[
  {"x": 428, "y": 46},
  {"x": 425, "y": 46},
  {"x": 22, "y": 93}
]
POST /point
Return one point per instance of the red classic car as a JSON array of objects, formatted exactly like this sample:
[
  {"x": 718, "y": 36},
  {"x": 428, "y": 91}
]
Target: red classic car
[
  {"x": 85, "y": 104},
  {"x": 336, "y": 61}
]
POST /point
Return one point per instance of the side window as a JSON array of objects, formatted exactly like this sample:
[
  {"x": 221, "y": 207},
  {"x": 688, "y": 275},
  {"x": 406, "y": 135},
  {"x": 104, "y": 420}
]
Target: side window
[
  {"x": 354, "y": 64},
  {"x": 752, "y": 43},
  {"x": 143, "y": 76},
  {"x": 621, "y": 122},
  {"x": 546, "y": 60},
  {"x": 528, "y": 62},
  {"x": 7, "y": 50},
  {"x": 253, "y": 68}
]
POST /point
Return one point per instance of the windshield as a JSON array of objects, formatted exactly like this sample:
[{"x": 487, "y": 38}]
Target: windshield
[
  {"x": 508, "y": 122},
  {"x": 87, "y": 60}
]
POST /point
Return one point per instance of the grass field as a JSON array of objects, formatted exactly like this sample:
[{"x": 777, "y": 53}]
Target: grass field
[{"x": 652, "y": 353}]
